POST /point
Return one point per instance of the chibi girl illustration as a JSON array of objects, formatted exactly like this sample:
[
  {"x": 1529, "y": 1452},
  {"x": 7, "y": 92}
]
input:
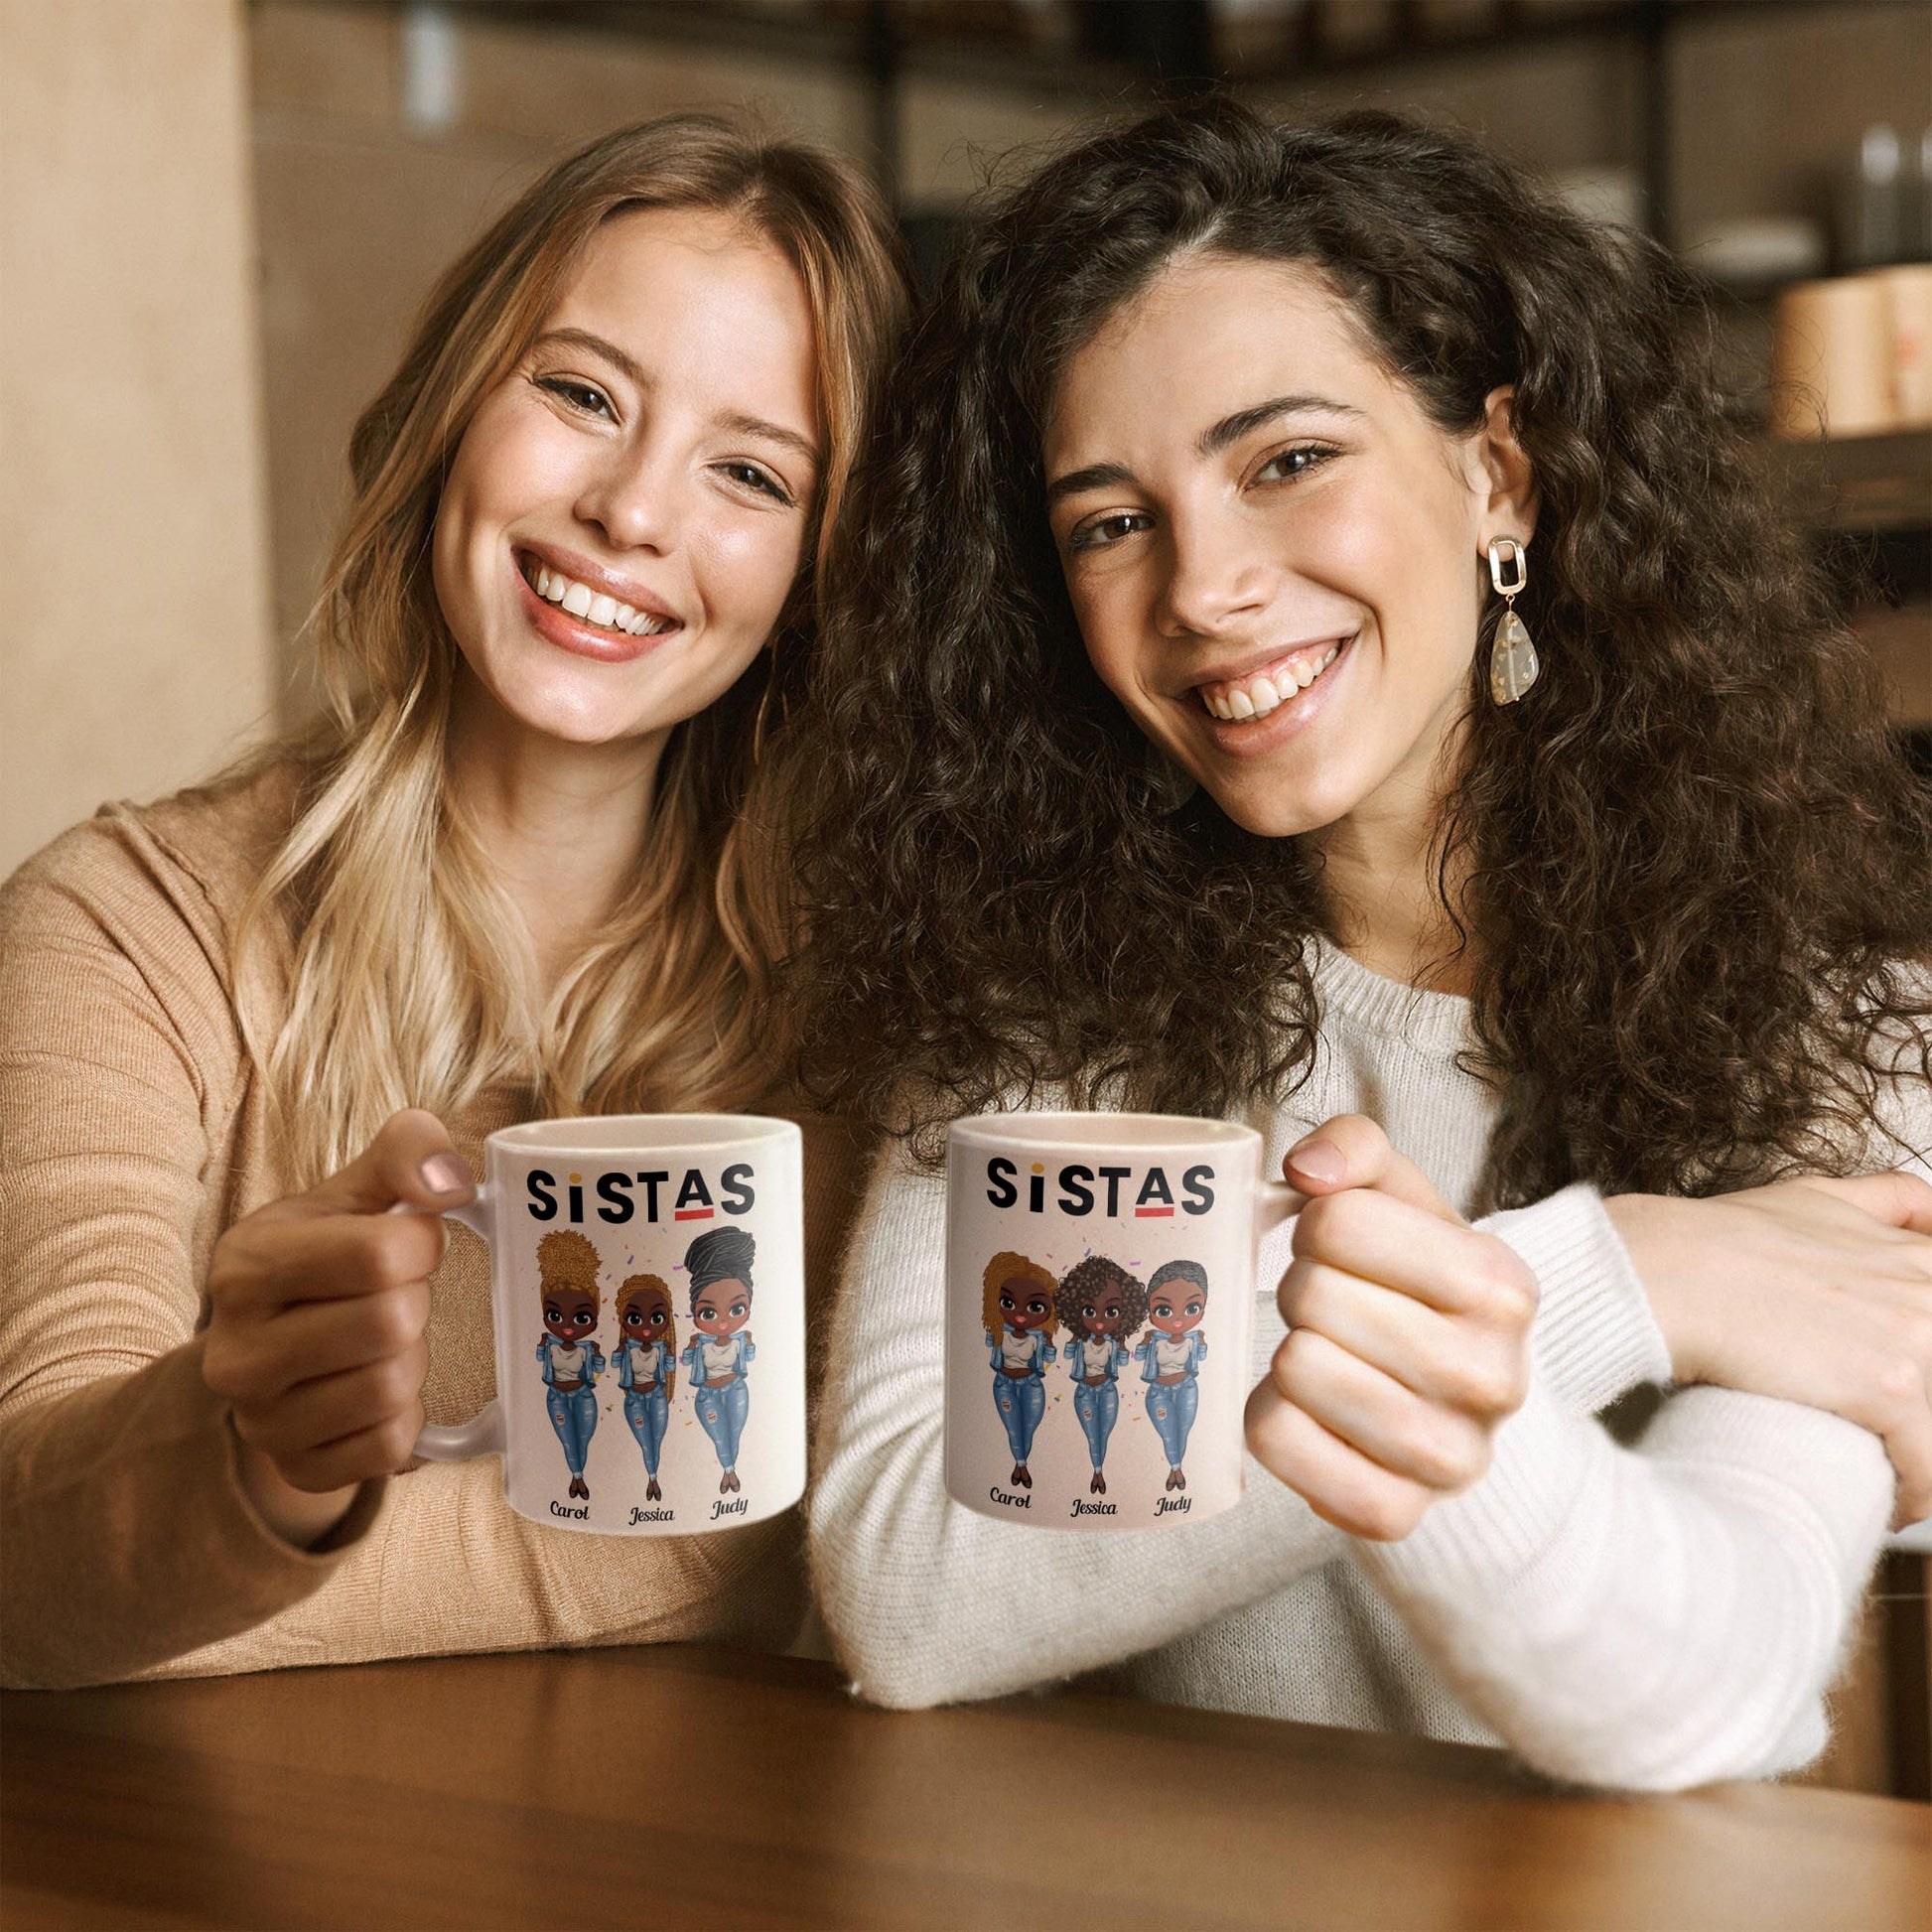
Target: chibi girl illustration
[
  {"x": 1098, "y": 1301},
  {"x": 567, "y": 1265},
  {"x": 1169, "y": 1356},
  {"x": 646, "y": 1358},
  {"x": 1020, "y": 1325},
  {"x": 719, "y": 1266}
]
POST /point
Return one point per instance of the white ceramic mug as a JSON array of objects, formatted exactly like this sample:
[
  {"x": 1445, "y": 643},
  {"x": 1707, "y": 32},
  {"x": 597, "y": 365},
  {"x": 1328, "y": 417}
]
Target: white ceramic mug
[
  {"x": 1100, "y": 1288},
  {"x": 647, "y": 1293}
]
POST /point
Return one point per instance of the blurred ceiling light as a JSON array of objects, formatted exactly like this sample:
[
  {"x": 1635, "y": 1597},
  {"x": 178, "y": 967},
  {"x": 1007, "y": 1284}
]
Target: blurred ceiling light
[{"x": 432, "y": 71}]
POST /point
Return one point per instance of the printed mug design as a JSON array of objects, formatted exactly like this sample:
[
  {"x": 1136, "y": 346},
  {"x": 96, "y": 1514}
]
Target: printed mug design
[
  {"x": 1097, "y": 1305},
  {"x": 646, "y": 1354}
]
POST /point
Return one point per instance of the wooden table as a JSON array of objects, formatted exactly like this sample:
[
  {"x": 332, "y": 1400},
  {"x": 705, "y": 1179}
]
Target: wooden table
[{"x": 694, "y": 1787}]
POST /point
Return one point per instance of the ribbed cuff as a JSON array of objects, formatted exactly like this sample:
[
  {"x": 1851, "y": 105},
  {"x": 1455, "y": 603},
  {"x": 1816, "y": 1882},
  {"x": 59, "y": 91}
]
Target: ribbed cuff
[
  {"x": 1542, "y": 1469},
  {"x": 1596, "y": 1337}
]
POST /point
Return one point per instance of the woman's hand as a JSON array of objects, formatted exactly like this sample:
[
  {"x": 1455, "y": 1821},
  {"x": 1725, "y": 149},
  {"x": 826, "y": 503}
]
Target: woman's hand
[
  {"x": 1816, "y": 1289},
  {"x": 315, "y": 1335},
  {"x": 1408, "y": 1344}
]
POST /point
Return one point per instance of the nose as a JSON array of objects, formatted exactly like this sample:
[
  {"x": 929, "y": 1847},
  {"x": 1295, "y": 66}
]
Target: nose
[
  {"x": 635, "y": 498},
  {"x": 1217, "y": 576}
]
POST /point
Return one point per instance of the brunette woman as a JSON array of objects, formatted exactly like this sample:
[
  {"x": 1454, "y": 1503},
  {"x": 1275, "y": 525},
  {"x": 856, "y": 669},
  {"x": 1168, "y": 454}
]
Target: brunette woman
[
  {"x": 1098, "y": 1304},
  {"x": 1181, "y": 755},
  {"x": 719, "y": 1356},
  {"x": 524, "y": 865}
]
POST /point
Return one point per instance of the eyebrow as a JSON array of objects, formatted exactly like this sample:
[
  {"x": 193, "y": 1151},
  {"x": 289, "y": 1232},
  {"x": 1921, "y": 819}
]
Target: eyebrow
[
  {"x": 1213, "y": 441},
  {"x": 634, "y": 373},
  {"x": 1244, "y": 422}
]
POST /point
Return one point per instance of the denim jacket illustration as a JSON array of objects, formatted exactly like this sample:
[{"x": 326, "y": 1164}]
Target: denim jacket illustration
[
  {"x": 593, "y": 1362},
  {"x": 1144, "y": 1354}
]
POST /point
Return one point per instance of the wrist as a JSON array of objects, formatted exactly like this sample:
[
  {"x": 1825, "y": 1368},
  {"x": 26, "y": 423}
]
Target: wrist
[
  {"x": 302, "y": 1518},
  {"x": 1649, "y": 1227}
]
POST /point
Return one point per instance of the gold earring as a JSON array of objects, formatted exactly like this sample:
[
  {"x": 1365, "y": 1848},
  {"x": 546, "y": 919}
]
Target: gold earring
[{"x": 1513, "y": 664}]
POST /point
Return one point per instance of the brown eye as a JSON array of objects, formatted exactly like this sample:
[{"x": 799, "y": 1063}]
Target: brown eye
[
  {"x": 1006, "y": 1301},
  {"x": 1194, "y": 1307}
]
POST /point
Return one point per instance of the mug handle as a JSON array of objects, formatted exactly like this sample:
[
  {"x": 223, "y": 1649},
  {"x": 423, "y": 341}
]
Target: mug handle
[
  {"x": 1275, "y": 1203},
  {"x": 483, "y": 1433}
]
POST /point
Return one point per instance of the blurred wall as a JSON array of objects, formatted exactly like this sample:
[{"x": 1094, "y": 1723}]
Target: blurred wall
[{"x": 135, "y": 655}]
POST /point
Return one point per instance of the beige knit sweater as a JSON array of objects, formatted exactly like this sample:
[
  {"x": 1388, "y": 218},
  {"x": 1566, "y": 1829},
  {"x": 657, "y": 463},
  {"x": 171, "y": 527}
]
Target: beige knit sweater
[{"x": 132, "y": 1133}]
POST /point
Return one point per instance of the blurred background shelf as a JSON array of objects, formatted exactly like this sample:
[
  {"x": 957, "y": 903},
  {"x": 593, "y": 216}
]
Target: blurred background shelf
[{"x": 1861, "y": 484}]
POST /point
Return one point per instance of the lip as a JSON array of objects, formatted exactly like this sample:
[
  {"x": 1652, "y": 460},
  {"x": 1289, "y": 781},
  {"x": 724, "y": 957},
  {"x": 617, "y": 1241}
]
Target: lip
[
  {"x": 555, "y": 625},
  {"x": 1257, "y": 738},
  {"x": 1269, "y": 660},
  {"x": 626, "y": 590}
]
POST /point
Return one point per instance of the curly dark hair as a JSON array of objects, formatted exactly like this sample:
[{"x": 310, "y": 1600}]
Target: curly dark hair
[
  {"x": 1698, "y": 897},
  {"x": 1089, "y": 1279}
]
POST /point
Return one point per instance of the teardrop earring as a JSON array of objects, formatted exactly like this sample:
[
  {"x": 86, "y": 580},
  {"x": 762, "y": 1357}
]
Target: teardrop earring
[{"x": 1513, "y": 662}]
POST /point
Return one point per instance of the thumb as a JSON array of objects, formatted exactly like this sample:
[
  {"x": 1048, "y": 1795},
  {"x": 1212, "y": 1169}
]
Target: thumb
[
  {"x": 412, "y": 1161},
  {"x": 1351, "y": 1151}
]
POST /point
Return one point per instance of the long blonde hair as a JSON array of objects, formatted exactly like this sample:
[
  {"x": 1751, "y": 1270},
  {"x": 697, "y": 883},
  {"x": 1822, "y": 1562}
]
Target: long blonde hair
[{"x": 411, "y": 977}]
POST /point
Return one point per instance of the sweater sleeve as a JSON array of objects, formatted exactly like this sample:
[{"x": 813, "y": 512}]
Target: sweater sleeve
[
  {"x": 1660, "y": 1616},
  {"x": 129, "y": 1538},
  {"x": 131, "y": 1545},
  {"x": 928, "y": 1601},
  {"x": 1596, "y": 1337},
  {"x": 1656, "y": 1618}
]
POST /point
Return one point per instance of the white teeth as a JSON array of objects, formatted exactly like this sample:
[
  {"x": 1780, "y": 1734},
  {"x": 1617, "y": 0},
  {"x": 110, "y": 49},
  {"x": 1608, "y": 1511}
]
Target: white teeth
[
  {"x": 1258, "y": 695},
  {"x": 594, "y": 607}
]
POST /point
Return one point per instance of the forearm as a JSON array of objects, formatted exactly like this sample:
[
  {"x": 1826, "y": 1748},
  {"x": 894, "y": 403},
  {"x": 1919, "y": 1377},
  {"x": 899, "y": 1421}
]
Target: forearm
[
  {"x": 130, "y": 1538},
  {"x": 1650, "y": 1619}
]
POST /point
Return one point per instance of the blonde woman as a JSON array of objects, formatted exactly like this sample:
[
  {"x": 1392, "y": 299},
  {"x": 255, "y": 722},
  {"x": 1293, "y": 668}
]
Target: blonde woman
[{"x": 524, "y": 866}]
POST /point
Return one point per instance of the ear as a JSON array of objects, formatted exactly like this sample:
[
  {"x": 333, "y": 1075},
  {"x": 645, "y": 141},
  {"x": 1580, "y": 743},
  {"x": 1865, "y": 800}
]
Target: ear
[{"x": 1504, "y": 474}]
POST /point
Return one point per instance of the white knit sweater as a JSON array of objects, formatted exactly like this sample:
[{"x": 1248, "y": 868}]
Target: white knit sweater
[{"x": 1647, "y": 1618}]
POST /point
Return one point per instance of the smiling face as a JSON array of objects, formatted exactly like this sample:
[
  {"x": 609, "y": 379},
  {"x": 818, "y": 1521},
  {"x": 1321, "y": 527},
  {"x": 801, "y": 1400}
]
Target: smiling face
[
  {"x": 569, "y": 1314},
  {"x": 1101, "y": 1315},
  {"x": 646, "y": 1321},
  {"x": 1176, "y": 1307},
  {"x": 1024, "y": 1304},
  {"x": 626, "y": 512},
  {"x": 1273, "y": 553},
  {"x": 721, "y": 1309}
]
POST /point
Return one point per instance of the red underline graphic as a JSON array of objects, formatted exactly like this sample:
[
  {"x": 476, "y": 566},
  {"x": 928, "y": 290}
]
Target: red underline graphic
[
  {"x": 1142, "y": 1213},
  {"x": 691, "y": 1215}
]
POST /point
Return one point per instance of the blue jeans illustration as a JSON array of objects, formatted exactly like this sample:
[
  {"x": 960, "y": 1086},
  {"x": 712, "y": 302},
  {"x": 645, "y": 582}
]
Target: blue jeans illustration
[
  {"x": 721, "y": 1410},
  {"x": 1097, "y": 1410},
  {"x": 573, "y": 1415},
  {"x": 649, "y": 1412},
  {"x": 1171, "y": 1408},
  {"x": 1022, "y": 1402}
]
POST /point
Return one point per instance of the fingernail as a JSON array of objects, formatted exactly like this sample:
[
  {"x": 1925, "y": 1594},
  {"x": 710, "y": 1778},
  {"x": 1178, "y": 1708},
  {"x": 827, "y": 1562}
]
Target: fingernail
[
  {"x": 443, "y": 1173},
  {"x": 1319, "y": 1160}
]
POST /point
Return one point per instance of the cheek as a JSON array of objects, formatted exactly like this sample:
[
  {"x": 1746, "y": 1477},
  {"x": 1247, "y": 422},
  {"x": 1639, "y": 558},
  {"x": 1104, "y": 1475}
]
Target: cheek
[{"x": 744, "y": 568}]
